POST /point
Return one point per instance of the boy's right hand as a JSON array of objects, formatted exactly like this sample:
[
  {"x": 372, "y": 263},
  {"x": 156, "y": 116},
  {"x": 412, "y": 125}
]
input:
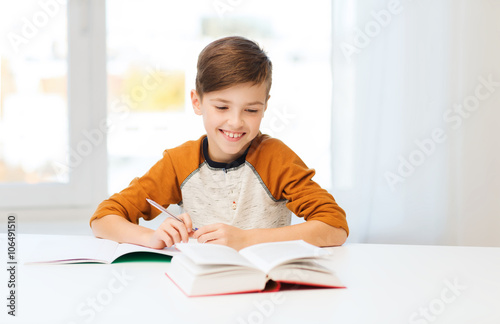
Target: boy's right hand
[{"x": 172, "y": 231}]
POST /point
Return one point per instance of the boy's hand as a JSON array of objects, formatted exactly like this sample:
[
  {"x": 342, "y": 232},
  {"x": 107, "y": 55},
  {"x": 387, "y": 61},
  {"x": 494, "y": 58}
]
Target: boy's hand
[
  {"x": 222, "y": 234},
  {"x": 171, "y": 231}
]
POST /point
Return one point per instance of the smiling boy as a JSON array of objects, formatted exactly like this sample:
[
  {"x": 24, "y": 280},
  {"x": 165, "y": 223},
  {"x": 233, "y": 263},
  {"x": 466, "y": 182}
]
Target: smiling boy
[{"x": 236, "y": 185}]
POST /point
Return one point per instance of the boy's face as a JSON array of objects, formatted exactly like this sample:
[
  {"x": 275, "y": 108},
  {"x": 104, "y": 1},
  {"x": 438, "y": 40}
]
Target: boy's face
[{"x": 232, "y": 118}]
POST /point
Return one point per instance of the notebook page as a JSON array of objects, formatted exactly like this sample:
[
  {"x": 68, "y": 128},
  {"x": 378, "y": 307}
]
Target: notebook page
[
  {"x": 73, "y": 249},
  {"x": 125, "y": 248}
]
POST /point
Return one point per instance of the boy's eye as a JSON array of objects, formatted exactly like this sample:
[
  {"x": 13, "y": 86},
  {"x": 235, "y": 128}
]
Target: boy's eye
[
  {"x": 252, "y": 110},
  {"x": 221, "y": 108}
]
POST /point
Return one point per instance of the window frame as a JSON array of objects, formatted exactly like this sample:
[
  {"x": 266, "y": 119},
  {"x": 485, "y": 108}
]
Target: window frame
[{"x": 86, "y": 118}]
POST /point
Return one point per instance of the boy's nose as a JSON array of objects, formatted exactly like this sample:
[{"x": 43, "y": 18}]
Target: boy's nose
[{"x": 236, "y": 120}]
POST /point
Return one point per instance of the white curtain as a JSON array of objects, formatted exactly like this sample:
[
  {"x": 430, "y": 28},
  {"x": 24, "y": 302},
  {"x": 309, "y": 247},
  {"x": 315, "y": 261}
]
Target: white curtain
[{"x": 416, "y": 120}]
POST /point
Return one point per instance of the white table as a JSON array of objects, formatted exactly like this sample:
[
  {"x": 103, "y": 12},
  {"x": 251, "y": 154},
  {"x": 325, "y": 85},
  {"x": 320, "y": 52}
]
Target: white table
[{"x": 385, "y": 284}]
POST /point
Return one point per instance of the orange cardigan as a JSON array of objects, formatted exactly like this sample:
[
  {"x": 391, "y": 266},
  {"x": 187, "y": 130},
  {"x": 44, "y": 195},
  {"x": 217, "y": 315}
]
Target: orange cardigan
[{"x": 257, "y": 191}]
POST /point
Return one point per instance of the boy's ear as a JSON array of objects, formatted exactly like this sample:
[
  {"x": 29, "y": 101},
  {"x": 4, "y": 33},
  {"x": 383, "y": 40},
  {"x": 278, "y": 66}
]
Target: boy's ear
[{"x": 196, "y": 102}]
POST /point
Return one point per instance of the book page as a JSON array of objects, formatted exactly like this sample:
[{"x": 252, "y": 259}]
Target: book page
[
  {"x": 204, "y": 269},
  {"x": 307, "y": 273},
  {"x": 73, "y": 249},
  {"x": 213, "y": 254},
  {"x": 269, "y": 255}
]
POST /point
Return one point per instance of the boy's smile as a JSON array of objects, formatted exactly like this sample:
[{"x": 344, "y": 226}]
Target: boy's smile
[
  {"x": 232, "y": 136},
  {"x": 232, "y": 118}
]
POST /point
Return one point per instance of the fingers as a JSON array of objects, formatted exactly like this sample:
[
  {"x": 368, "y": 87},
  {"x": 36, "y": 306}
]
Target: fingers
[
  {"x": 160, "y": 236},
  {"x": 223, "y": 234},
  {"x": 203, "y": 230},
  {"x": 172, "y": 231},
  {"x": 177, "y": 232},
  {"x": 208, "y": 233},
  {"x": 187, "y": 221}
]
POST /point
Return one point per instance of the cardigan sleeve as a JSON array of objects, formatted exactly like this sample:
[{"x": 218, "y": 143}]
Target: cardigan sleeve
[
  {"x": 160, "y": 184},
  {"x": 288, "y": 178}
]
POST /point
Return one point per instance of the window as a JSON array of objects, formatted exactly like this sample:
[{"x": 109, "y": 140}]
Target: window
[
  {"x": 63, "y": 62},
  {"x": 46, "y": 112},
  {"x": 152, "y": 55},
  {"x": 33, "y": 95}
]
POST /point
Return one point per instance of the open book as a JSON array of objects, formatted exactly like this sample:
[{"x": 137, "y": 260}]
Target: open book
[
  {"x": 210, "y": 269},
  {"x": 87, "y": 249}
]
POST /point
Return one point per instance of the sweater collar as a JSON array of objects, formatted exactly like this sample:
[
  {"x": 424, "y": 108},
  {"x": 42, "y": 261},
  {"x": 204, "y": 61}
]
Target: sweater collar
[{"x": 218, "y": 165}]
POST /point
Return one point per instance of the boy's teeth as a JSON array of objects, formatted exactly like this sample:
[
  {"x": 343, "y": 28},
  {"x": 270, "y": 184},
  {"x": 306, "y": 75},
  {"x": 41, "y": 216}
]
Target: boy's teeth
[{"x": 233, "y": 135}]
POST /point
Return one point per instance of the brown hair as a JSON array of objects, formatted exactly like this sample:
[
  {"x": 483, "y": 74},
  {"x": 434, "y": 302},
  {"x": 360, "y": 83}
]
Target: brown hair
[{"x": 229, "y": 61}]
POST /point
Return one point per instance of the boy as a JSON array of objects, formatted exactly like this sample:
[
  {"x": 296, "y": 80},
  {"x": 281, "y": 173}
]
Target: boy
[{"x": 235, "y": 184}]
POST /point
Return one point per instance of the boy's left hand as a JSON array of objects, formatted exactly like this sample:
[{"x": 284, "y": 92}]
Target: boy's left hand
[{"x": 222, "y": 234}]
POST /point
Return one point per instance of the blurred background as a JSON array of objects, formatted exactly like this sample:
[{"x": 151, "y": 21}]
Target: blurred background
[{"x": 394, "y": 103}]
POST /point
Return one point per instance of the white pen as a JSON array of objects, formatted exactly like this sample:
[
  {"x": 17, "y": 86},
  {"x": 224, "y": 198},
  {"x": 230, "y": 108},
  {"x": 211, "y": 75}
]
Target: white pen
[{"x": 161, "y": 208}]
